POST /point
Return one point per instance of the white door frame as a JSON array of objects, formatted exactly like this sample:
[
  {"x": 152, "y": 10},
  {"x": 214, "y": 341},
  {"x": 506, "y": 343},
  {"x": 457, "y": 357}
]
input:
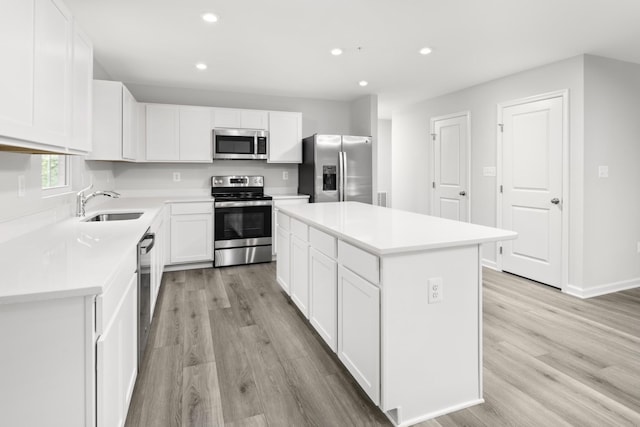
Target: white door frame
[
  {"x": 432, "y": 131},
  {"x": 564, "y": 94}
]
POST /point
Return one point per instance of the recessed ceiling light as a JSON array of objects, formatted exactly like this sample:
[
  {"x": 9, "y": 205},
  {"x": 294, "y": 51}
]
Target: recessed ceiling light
[
  {"x": 209, "y": 17},
  {"x": 336, "y": 51},
  {"x": 201, "y": 66},
  {"x": 425, "y": 51},
  {"x": 363, "y": 83}
]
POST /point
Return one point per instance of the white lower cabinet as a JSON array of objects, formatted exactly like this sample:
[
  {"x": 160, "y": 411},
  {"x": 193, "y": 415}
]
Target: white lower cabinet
[
  {"x": 300, "y": 274},
  {"x": 191, "y": 232},
  {"x": 117, "y": 360},
  {"x": 359, "y": 330},
  {"x": 323, "y": 287},
  {"x": 283, "y": 272}
]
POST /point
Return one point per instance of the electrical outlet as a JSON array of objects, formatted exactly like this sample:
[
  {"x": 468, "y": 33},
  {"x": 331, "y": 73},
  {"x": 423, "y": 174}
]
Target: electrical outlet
[
  {"x": 489, "y": 171},
  {"x": 22, "y": 187},
  {"x": 285, "y": 175},
  {"x": 638, "y": 247},
  {"x": 176, "y": 177},
  {"x": 435, "y": 290}
]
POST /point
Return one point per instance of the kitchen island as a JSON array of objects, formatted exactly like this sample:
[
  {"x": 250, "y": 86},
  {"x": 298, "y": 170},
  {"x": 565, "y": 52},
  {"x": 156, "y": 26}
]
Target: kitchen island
[{"x": 397, "y": 296}]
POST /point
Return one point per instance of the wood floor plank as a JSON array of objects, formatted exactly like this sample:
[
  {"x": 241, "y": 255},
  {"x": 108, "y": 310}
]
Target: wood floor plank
[
  {"x": 355, "y": 402},
  {"x": 215, "y": 291},
  {"x": 162, "y": 405},
  {"x": 170, "y": 326},
  {"x": 278, "y": 402},
  {"x": 238, "y": 299},
  {"x": 240, "y": 398},
  {"x": 201, "y": 401},
  {"x": 255, "y": 421},
  {"x": 194, "y": 280},
  {"x": 197, "y": 340}
]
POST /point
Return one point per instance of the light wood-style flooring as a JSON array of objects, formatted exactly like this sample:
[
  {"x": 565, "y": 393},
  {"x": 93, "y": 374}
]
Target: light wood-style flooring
[{"x": 228, "y": 348}]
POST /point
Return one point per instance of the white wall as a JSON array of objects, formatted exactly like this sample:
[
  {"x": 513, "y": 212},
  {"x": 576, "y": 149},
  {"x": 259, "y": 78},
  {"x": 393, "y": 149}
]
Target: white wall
[
  {"x": 384, "y": 157},
  {"x": 411, "y": 156},
  {"x": 611, "y": 205},
  {"x": 19, "y": 215}
]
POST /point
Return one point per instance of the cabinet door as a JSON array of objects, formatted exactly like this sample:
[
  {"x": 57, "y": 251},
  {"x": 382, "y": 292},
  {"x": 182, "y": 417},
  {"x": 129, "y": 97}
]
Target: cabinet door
[
  {"x": 323, "y": 301},
  {"x": 227, "y": 118},
  {"x": 129, "y": 125},
  {"x": 195, "y": 134},
  {"x": 285, "y": 137},
  {"x": 283, "y": 269},
  {"x": 52, "y": 73},
  {"x": 107, "y": 120},
  {"x": 82, "y": 84},
  {"x": 254, "y": 119},
  {"x": 359, "y": 330},
  {"x": 16, "y": 73},
  {"x": 117, "y": 360},
  {"x": 163, "y": 141},
  {"x": 191, "y": 238},
  {"x": 300, "y": 274}
]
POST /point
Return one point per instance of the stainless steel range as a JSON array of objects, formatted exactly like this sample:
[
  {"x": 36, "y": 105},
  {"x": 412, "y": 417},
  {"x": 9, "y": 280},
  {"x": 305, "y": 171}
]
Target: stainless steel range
[{"x": 242, "y": 216}]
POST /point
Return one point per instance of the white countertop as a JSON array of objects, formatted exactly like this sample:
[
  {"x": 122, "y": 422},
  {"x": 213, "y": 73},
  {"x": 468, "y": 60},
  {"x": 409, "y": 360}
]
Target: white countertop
[
  {"x": 289, "y": 196},
  {"x": 72, "y": 257},
  {"x": 385, "y": 231}
]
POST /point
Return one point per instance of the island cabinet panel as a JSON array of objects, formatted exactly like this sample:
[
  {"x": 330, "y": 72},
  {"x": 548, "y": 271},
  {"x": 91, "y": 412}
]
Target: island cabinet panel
[
  {"x": 283, "y": 269},
  {"x": 300, "y": 274},
  {"x": 413, "y": 330},
  {"x": 323, "y": 285},
  {"x": 359, "y": 261},
  {"x": 359, "y": 330}
]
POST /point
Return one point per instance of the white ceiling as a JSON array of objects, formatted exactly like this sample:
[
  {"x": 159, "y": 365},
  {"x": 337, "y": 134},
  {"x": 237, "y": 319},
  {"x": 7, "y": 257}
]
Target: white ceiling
[{"x": 281, "y": 47}]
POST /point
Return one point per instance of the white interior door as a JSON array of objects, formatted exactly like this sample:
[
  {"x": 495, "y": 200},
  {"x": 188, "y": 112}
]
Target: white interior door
[
  {"x": 451, "y": 167},
  {"x": 532, "y": 170}
]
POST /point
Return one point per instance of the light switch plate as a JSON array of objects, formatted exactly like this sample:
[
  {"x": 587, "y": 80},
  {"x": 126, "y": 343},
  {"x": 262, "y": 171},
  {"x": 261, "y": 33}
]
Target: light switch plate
[
  {"x": 176, "y": 177},
  {"x": 603, "y": 171},
  {"x": 489, "y": 171},
  {"x": 22, "y": 187},
  {"x": 285, "y": 175}
]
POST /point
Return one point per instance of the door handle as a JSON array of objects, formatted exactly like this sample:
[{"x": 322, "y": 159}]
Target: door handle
[
  {"x": 555, "y": 200},
  {"x": 463, "y": 193}
]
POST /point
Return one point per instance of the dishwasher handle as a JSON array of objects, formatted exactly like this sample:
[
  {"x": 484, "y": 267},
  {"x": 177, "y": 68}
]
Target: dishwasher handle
[{"x": 147, "y": 248}]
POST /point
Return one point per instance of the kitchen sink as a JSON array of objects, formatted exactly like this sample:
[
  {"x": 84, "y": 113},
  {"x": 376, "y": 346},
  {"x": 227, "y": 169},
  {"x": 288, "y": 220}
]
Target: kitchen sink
[{"x": 120, "y": 216}]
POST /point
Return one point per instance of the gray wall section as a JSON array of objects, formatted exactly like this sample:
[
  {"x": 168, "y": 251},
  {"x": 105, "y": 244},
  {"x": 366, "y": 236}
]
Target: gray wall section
[
  {"x": 384, "y": 157},
  {"x": 612, "y": 138},
  {"x": 411, "y": 156}
]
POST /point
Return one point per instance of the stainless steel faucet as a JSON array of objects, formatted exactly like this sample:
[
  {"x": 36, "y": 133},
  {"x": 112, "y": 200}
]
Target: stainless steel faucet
[{"x": 81, "y": 199}]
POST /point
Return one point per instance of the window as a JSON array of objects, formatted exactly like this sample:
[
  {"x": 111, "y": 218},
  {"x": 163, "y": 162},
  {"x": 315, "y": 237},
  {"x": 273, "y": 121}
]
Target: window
[{"x": 55, "y": 173}]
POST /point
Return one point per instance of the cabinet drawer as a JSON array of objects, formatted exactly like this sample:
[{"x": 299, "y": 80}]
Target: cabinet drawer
[
  {"x": 300, "y": 229},
  {"x": 107, "y": 303},
  {"x": 191, "y": 208},
  {"x": 359, "y": 261},
  {"x": 322, "y": 242},
  {"x": 284, "y": 221}
]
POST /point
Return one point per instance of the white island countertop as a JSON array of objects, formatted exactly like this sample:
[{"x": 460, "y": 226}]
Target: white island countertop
[{"x": 384, "y": 231}]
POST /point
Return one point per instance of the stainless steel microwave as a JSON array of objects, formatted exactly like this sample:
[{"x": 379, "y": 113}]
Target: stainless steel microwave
[{"x": 238, "y": 144}]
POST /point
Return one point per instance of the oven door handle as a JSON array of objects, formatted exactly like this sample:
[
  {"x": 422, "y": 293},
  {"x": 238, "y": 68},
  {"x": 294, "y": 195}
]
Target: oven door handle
[{"x": 242, "y": 204}]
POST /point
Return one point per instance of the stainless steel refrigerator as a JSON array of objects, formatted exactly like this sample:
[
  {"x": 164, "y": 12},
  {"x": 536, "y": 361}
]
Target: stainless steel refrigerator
[{"x": 336, "y": 168}]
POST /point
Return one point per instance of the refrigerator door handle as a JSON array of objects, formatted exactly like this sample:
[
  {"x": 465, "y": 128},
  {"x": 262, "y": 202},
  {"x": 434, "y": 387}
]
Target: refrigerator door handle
[
  {"x": 340, "y": 176},
  {"x": 344, "y": 176}
]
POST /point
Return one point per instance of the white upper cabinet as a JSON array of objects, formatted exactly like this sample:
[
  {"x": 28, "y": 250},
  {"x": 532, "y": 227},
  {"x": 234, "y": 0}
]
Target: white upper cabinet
[
  {"x": 44, "y": 78},
  {"x": 81, "y": 101},
  {"x": 285, "y": 137},
  {"x": 115, "y": 122},
  {"x": 243, "y": 119},
  {"x": 177, "y": 133},
  {"x": 195, "y": 134},
  {"x": 163, "y": 139}
]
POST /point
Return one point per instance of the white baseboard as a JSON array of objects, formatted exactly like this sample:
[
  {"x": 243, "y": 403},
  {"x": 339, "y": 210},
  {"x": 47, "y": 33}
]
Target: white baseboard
[
  {"x": 598, "y": 290},
  {"x": 490, "y": 264},
  {"x": 178, "y": 267}
]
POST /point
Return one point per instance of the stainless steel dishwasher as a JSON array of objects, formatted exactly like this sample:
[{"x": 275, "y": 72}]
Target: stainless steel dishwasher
[{"x": 144, "y": 291}]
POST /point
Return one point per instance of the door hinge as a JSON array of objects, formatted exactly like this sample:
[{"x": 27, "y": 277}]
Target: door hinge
[
  {"x": 433, "y": 136},
  {"x": 433, "y": 184},
  {"x": 501, "y": 189},
  {"x": 501, "y": 127},
  {"x": 500, "y": 250}
]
